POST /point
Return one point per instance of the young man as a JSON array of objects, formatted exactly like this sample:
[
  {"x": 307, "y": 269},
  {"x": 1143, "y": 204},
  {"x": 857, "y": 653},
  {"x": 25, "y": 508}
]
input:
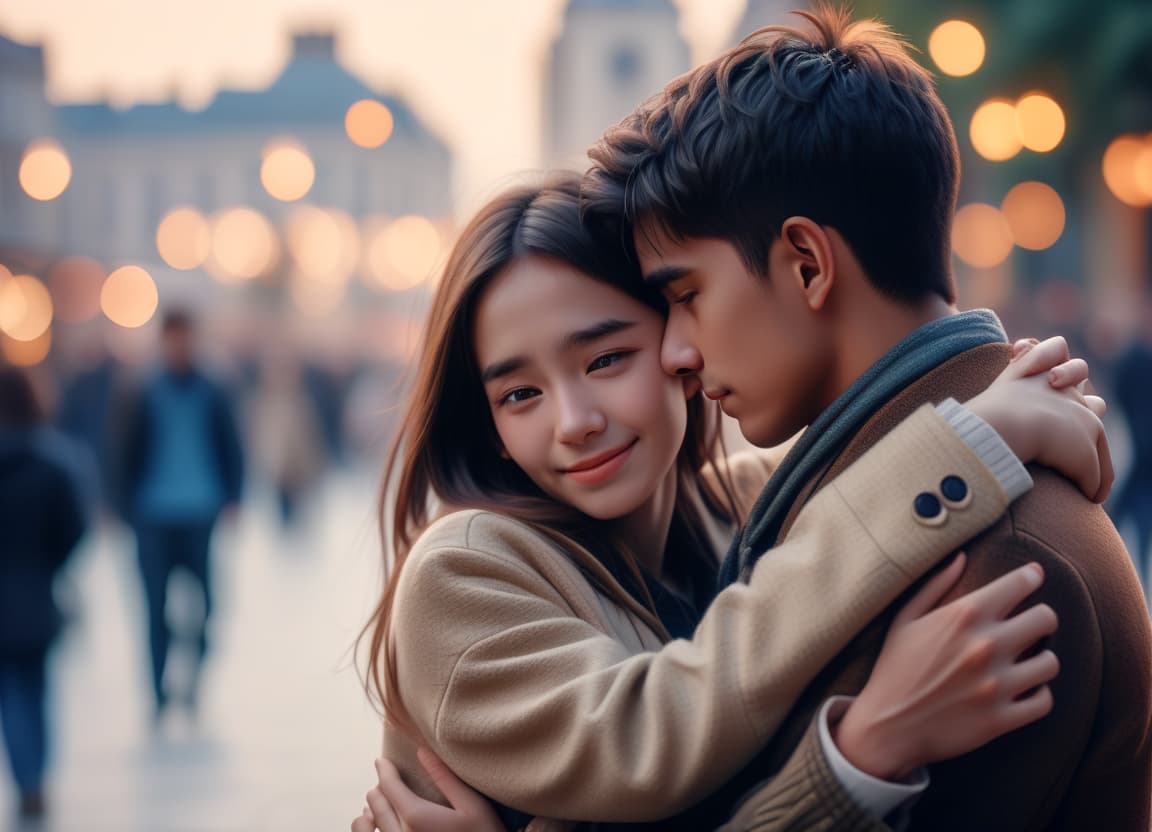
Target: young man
[{"x": 793, "y": 200}]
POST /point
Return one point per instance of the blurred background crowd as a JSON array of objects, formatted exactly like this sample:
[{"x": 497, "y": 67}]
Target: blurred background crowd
[{"x": 221, "y": 224}]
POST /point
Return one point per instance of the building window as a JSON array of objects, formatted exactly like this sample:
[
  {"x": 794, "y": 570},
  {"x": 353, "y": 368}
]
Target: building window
[{"x": 625, "y": 64}]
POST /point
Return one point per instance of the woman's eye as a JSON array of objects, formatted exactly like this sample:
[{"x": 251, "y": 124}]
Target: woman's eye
[
  {"x": 684, "y": 299},
  {"x": 520, "y": 394},
  {"x": 607, "y": 360}
]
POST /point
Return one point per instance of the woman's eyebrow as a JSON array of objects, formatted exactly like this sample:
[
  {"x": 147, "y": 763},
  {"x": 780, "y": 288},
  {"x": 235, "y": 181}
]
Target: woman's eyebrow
[
  {"x": 578, "y": 338},
  {"x": 610, "y": 326}
]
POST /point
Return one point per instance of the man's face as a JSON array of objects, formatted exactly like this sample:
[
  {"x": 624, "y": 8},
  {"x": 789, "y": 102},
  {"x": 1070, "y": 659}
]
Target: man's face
[{"x": 753, "y": 340}]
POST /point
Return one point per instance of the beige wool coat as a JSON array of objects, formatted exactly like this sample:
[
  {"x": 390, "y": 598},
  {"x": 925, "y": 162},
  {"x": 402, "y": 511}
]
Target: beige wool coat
[{"x": 545, "y": 695}]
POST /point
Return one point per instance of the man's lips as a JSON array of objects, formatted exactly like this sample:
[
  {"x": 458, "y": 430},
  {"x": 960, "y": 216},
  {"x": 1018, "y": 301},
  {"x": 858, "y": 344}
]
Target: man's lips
[{"x": 716, "y": 395}]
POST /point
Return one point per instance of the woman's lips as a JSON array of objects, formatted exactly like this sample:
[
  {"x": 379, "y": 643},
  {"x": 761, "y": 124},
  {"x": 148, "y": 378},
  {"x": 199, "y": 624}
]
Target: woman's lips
[{"x": 600, "y": 467}]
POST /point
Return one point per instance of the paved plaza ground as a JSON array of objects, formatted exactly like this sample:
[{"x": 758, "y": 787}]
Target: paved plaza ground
[{"x": 284, "y": 739}]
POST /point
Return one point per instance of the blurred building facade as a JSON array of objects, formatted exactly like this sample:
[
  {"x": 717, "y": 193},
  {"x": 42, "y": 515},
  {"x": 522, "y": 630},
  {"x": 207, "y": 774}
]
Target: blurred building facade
[
  {"x": 131, "y": 167},
  {"x": 610, "y": 56}
]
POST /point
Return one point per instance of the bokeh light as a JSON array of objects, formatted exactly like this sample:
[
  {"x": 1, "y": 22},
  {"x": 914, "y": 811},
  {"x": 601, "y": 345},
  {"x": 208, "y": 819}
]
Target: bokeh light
[
  {"x": 75, "y": 284},
  {"x": 981, "y": 236},
  {"x": 1040, "y": 121},
  {"x": 324, "y": 243},
  {"x": 287, "y": 172},
  {"x": 994, "y": 131},
  {"x": 183, "y": 238},
  {"x": 1035, "y": 214},
  {"x": 26, "y": 353},
  {"x": 244, "y": 244},
  {"x": 1127, "y": 167},
  {"x": 403, "y": 254},
  {"x": 45, "y": 170},
  {"x": 129, "y": 297},
  {"x": 25, "y": 307},
  {"x": 368, "y": 123},
  {"x": 957, "y": 47}
]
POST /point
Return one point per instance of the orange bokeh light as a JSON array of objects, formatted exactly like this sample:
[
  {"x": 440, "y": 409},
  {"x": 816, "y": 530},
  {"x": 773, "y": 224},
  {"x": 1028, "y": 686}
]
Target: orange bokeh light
[
  {"x": 129, "y": 297},
  {"x": 26, "y": 353},
  {"x": 1035, "y": 214},
  {"x": 287, "y": 171},
  {"x": 45, "y": 170},
  {"x": 1040, "y": 122},
  {"x": 994, "y": 132},
  {"x": 1127, "y": 167},
  {"x": 368, "y": 123},
  {"x": 981, "y": 236},
  {"x": 183, "y": 238},
  {"x": 957, "y": 47},
  {"x": 26, "y": 308}
]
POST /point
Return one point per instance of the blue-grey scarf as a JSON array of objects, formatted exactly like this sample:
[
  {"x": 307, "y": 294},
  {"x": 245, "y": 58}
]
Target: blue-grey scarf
[{"x": 922, "y": 351}]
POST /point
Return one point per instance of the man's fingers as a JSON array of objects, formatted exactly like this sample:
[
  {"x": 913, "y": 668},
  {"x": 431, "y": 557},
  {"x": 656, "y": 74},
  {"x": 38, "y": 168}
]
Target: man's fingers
[
  {"x": 1026, "y": 628},
  {"x": 1030, "y": 673},
  {"x": 998, "y": 597},
  {"x": 933, "y": 590},
  {"x": 1021, "y": 712},
  {"x": 459, "y": 794}
]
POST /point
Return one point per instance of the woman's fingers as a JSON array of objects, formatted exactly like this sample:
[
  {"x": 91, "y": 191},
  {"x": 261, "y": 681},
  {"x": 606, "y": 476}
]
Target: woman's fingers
[
  {"x": 459, "y": 794},
  {"x": 1041, "y": 357},
  {"x": 1070, "y": 373},
  {"x": 364, "y": 823},
  {"x": 1097, "y": 405}
]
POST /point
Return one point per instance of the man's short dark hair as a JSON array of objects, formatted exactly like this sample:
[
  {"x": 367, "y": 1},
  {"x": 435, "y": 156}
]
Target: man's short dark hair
[{"x": 837, "y": 123}]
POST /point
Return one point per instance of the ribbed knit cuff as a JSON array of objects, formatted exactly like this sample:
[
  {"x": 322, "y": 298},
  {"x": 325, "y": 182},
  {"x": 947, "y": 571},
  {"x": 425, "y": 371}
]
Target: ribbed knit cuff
[{"x": 987, "y": 444}]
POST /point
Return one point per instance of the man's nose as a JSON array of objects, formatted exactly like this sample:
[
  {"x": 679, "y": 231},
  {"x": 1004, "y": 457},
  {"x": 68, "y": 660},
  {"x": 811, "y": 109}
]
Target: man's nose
[{"x": 678, "y": 355}]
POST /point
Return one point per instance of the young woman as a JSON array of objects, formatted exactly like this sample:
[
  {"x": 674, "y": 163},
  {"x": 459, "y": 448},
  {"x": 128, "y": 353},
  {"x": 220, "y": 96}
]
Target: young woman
[{"x": 546, "y": 636}]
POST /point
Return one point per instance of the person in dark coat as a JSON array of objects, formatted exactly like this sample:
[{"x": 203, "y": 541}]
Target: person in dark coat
[
  {"x": 1133, "y": 385},
  {"x": 180, "y": 468},
  {"x": 43, "y": 518}
]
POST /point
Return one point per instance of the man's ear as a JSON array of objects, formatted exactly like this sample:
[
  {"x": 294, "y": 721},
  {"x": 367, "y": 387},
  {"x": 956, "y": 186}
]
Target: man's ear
[{"x": 807, "y": 256}]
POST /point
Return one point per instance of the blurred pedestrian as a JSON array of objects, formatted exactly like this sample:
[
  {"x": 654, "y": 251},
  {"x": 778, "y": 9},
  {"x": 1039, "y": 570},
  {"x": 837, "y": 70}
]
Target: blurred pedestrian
[
  {"x": 180, "y": 468},
  {"x": 43, "y": 518},
  {"x": 286, "y": 437}
]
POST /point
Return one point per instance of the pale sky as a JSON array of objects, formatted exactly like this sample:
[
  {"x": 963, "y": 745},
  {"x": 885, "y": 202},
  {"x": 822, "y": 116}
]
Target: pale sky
[{"x": 472, "y": 69}]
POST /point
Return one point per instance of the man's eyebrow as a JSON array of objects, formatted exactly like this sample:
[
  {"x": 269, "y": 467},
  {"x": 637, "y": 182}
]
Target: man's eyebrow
[
  {"x": 609, "y": 326},
  {"x": 501, "y": 368},
  {"x": 662, "y": 277}
]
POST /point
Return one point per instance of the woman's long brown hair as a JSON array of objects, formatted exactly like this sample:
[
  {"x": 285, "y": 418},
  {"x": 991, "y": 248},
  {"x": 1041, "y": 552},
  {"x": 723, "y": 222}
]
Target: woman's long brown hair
[{"x": 446, "y": 449}]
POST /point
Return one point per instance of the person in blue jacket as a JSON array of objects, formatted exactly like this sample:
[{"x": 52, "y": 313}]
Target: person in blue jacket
[{"x": 180, "y": 469}]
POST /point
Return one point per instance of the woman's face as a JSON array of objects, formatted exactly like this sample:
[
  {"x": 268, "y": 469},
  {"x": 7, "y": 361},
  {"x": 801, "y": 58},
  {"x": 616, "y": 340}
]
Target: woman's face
[{"x": 571, "y": 370}]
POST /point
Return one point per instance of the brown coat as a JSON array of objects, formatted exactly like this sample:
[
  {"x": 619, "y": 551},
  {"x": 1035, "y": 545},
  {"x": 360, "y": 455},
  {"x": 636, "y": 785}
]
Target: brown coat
[{"x": 1087, "y": 765}]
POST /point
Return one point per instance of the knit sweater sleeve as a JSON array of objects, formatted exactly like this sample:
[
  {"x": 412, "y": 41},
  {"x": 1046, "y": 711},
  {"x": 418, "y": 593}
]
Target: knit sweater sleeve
[{"x": 538, "y": 703}]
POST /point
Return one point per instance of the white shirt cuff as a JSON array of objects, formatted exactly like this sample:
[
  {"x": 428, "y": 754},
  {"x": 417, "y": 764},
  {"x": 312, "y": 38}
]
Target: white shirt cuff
[
  {"x": 877, "y": 797},
  {"x": 987, "y": 444}
]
